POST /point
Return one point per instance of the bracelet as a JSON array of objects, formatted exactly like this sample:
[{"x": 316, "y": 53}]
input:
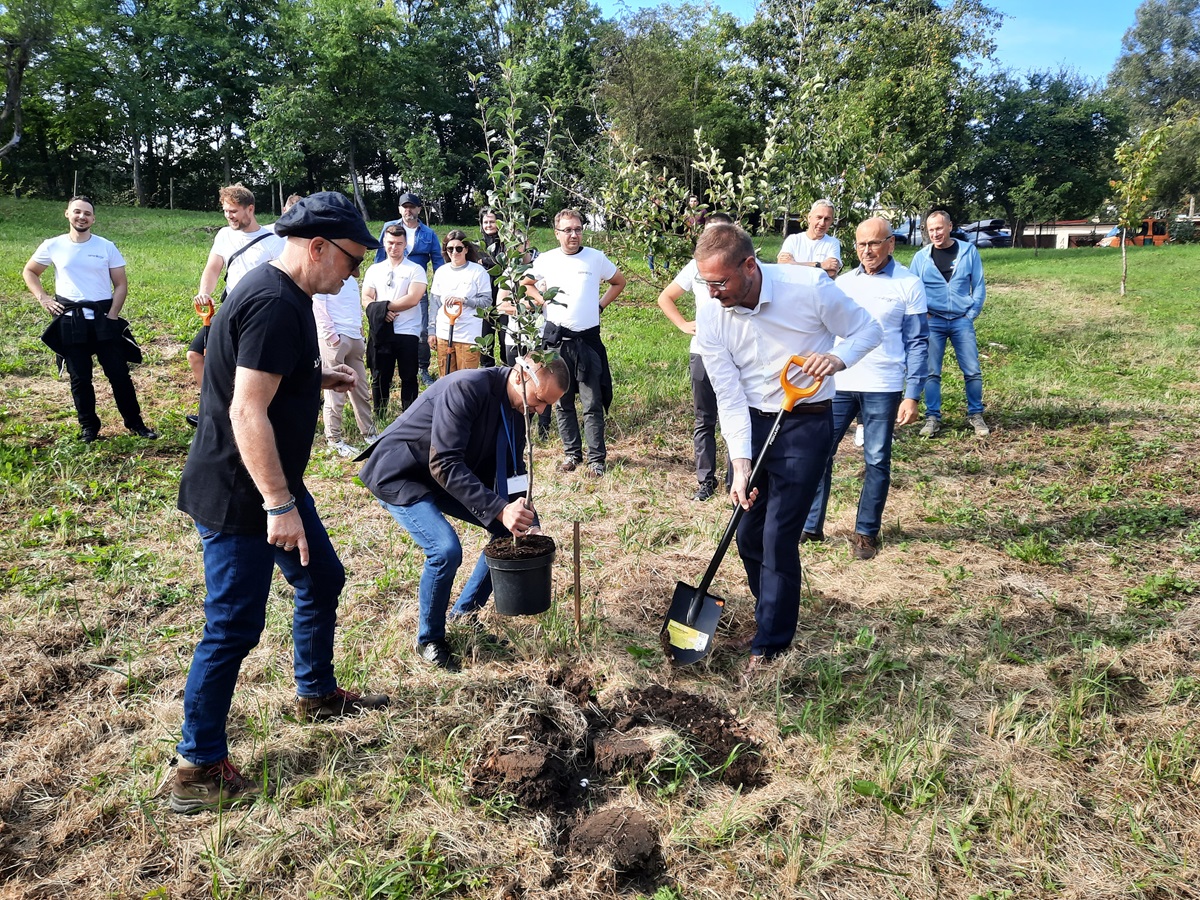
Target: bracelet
[{"x": 280, "y": 510}]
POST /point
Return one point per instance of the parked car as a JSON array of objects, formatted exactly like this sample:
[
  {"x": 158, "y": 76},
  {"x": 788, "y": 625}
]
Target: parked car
[{"x": 988, "y": 233}]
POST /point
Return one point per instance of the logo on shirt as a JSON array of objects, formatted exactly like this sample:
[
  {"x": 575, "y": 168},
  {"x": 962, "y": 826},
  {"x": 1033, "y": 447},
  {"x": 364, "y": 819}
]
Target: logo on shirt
[{"x": 317, "y": 363}]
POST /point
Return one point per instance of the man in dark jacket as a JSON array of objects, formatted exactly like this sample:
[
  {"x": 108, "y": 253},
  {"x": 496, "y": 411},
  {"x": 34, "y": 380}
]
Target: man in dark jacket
[{"x": 457, "y": 452}]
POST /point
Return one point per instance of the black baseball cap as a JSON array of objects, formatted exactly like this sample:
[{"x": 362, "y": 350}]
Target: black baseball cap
[
  {"x": 410, "y": 197},
  {"x": 326, "y": 214}
]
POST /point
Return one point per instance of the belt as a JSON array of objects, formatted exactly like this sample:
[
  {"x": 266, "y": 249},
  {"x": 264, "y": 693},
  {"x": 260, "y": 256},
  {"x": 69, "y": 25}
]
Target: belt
[{"x": 819, "y": 407}]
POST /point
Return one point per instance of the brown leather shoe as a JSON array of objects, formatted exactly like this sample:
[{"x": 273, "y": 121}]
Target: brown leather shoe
[
  {"x": 864, "y": 546},
  {"x": 216, "y": 786},
  {"x": 741, "y": 643},
  {"x": 339, "y": 703}
]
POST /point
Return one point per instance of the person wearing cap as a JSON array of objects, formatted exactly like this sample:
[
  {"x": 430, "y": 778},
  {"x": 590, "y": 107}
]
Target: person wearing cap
[
  {"x": 423, "y": 249},
  {"x": 243, "y": 487}
]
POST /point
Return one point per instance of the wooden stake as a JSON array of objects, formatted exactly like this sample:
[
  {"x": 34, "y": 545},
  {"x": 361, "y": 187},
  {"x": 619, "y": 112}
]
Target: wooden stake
[{"x": 578, "y": 617}]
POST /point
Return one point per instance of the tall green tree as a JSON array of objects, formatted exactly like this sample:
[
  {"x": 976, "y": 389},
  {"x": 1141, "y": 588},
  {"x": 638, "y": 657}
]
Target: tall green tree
[
  {"x": 1044, "y": 133},
  {"x": 1157, "y": 77},
  {"x": 26, "y": 26}
]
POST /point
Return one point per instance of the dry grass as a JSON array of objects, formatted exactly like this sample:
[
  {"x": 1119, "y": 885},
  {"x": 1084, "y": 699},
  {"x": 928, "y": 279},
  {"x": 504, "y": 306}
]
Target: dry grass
[{"x": 1002, "y": 704}]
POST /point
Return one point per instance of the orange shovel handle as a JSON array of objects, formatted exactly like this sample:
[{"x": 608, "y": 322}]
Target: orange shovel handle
[
  {"x": 791, "y": 393},
  {"x": 205, "y": 309},
  {"x": 453, "y": 309}
]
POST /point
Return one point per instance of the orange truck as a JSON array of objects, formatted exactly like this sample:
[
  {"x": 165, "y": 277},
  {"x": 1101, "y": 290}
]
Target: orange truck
[{"x": 1151, "y": 231}]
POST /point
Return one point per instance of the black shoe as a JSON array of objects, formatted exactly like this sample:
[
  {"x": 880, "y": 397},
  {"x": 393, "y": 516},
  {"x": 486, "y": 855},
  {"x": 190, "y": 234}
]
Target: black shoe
[
  {"x": 437, "y": 653},
  {"x": 812, "y": 537},
  {"x": 143, "y": 432},
  {"x": 193, "y": 420},
  {"x": 706, "y": 491},
  {"x": 89, "y": 435}
]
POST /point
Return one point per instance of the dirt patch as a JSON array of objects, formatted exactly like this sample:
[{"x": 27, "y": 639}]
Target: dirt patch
[
  {"x": 618, "y": 834},
  {"x": 575, "y": 683},
  {"x": 715, "y": 734},
  {"x": 615, "y": 753}
]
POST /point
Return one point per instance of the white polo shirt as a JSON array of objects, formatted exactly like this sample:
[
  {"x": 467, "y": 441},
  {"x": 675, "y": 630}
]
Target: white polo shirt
[
  {"x": 81, "y": 270},
  {"x": 889, "y": 295},
  {"x": 402, "y": 277},
  {"x": 228, "y": 242},
  {"x": 339, "y": 313},
  {"x": 577, "y": 276},
  {"x": 805, "y": 249}
]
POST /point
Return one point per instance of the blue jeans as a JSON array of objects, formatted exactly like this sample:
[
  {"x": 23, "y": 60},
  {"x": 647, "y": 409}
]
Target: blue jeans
[
  {"x": 768, "y": 537},
  {"x": 877, "y": 411},
  {"x": 425, "y": 521},
  {"x": 237, "y": 572},
  {"x": 961, "y": 332}
]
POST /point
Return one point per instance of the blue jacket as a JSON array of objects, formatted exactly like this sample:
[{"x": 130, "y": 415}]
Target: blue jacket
[
  {"x": 963, "y": 294},
  {"x": 424, "y": 247}
]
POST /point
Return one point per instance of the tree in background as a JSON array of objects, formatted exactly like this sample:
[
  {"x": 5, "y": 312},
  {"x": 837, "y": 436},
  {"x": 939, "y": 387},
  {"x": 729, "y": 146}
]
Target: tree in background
[
  {"x": 1158, "y": 78},
  {"x": 25, "y": 27},
  {"x": 1053, "y": 128}
]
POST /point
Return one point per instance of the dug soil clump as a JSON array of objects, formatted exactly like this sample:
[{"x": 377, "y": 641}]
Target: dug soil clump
[
  {"x": 723, "y": 742},
  {"x": 620, "y": 834}
]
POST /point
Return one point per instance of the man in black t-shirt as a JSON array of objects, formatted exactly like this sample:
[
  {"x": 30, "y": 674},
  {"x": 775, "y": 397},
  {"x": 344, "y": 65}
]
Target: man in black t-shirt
[{"x": 243, "y": 486}]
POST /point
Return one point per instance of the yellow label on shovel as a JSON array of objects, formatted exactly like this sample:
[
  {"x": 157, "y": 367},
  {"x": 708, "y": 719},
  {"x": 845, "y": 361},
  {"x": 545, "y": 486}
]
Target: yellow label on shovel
[{"x": 685, "y": 638}]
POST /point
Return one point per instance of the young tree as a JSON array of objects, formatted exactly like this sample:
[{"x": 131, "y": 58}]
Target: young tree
[{"x": 1136, "y": 159}]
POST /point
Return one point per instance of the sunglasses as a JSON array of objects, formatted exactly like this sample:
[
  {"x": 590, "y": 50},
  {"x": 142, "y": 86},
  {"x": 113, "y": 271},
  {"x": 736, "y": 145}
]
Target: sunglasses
[
  {"x": 455, "y": 248},
  {"x": 355, "y": 261}
]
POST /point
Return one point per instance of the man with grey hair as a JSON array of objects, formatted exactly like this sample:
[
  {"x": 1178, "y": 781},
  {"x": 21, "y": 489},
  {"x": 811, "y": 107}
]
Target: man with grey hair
[
  {"x": 815, "y": 247},
  {"x": 953, "y": 276},
  {"x": 764, "y": 315}
]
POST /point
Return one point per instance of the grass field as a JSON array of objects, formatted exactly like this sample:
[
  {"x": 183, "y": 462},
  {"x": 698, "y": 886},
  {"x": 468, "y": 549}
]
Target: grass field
[{"x": 1003, "y": 704}]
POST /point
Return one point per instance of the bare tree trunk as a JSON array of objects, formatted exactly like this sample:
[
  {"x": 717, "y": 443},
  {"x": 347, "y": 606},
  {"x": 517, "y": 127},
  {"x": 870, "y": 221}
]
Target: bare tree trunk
[
  {"x": 16, "y": 61},
  {"x": 350, "y": 159},
  {"x": 139, "y": 189},
  {"x": 1124, "y": 263}
]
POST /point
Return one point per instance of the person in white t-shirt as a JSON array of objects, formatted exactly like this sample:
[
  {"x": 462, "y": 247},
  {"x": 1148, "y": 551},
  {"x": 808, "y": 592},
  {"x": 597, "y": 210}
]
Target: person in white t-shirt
[
  {"x": 90, "y": 288},
  {"x": 884, "y": 387},
  {"x": 814, "y": 247},
  {"x": 240, "y": 246},
  {"x": 339, "y": 329},
  {"x": 392, "y": 293},
  {"x": 465, "y": 283},
  {"x": 704, "y": 401},
  {"x": 573, "y": 329}
]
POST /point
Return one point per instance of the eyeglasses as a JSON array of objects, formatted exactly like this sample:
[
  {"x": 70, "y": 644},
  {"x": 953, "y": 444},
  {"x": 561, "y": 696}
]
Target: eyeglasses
[
  {"x": 570, "y": 230},
  {"x": 355, "y": 261},
  {"x": 870, "y": 245},
  {"x": 717, "y": 285},
  {"x": 455, "y": 248}
]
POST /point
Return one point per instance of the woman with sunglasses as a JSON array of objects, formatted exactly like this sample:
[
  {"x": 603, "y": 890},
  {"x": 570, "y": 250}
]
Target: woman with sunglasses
[{"x": 459, "y": 288}]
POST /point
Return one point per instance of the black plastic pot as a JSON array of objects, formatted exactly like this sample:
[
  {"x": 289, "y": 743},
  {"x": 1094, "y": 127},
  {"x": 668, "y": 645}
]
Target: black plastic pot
[{"x": 523, "y": 586}]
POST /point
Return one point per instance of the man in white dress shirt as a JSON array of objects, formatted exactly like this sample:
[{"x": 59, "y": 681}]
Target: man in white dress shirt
[{"x": 763, "y": 316}]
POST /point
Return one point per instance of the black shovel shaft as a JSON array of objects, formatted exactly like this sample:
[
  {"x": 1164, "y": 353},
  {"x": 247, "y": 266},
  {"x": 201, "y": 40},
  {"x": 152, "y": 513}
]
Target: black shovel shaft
[{"x": 731, "y": 529}]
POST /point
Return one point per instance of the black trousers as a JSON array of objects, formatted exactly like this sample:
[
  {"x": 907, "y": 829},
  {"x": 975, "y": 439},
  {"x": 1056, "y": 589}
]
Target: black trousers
[
  {"x": 398, "y": 352},
  {"x": 78, "y": 357}
]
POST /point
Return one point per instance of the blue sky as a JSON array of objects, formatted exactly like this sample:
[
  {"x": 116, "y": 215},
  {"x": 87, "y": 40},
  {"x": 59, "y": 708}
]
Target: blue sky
[{"x": 1084, "y": 35}]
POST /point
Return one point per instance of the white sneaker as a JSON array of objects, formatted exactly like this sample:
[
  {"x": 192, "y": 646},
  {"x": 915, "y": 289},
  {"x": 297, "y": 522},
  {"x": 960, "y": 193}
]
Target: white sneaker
[
  {"x": 341, "y": 448},
  {"x": 371, "y": 438},
  {"x": 858, "y": 436}
]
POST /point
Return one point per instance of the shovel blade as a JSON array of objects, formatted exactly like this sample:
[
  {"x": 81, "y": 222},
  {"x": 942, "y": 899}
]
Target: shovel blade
[{"x": 685, "y": 643}]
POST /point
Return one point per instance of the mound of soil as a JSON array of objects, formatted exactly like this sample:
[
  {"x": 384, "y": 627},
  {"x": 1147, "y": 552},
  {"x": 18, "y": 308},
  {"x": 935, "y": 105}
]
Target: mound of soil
[
  {"x": 615, "y": 753},
  {"x": 573, "y": 682},
  {"x": 620, "y": 833},
  {"x": 715, "y": 735},
  {"x": 534, "y": 776}
]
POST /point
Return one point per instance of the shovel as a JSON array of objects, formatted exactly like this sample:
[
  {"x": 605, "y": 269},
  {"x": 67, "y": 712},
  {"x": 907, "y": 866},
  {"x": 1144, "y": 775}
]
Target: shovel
[
  {"x": 453, "y": 309},
  {"x": 691, "y": 621}
]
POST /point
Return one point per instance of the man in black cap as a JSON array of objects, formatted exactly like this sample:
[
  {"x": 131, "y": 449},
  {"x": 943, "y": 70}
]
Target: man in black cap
[
  {"x": 243, "y": 485},
  {"x": 423, "y": 248}
]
